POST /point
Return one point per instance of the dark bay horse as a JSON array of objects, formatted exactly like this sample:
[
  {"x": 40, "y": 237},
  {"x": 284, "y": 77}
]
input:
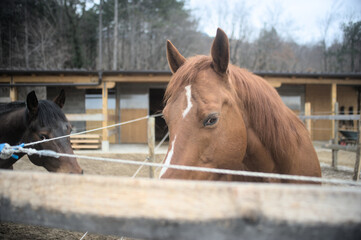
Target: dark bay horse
[
  {"x": 221, "y": 116},
  {"x": 37, "y": 120}
]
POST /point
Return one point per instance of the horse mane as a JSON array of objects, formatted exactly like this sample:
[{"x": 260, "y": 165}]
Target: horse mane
[
  {"x": 9, "y": 107},
  {"x": 48, "y": 112},
  {"x": 274, "y": 123}
]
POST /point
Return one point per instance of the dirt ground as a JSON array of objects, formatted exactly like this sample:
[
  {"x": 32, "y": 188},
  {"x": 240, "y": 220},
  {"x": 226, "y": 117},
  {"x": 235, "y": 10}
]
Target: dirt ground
[{"x": 12, "y": 231}]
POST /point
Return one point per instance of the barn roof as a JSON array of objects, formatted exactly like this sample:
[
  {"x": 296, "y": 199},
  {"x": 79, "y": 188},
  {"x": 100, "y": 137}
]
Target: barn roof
[
  {"x": 166, "y": 72},
  {"x": 83, "y": 77}
]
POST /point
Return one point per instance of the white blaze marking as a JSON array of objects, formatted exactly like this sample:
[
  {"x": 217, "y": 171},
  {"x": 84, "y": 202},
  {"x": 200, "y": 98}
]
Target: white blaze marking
[
  {"x": 168, "y": 159},
  {"x": 185, "y": 112},
  {"x": 189, "y": 101}
]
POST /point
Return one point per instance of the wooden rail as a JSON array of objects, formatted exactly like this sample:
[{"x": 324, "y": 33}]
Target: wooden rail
[
  {"x": 330, "y": 117},
  {"x": 85, "y": 117},
  {"x": 159, "y": 209},
  {"x": 335, "y": 147},
  {"x": 349, "y": 148},
  {"x": 85, "y": 141}
]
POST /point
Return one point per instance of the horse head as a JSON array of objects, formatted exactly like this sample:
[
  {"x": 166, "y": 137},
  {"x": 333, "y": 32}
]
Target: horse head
[
  {"x": 46, "y": 120},
  {"x": 206, "y": 126}
]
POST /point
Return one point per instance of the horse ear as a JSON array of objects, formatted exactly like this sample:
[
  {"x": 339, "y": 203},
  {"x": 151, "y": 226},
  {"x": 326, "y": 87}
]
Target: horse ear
[
  {"x": 175, "y": 59},
  {"x": 32, "y": 103},
  {"x": 60, "y": 100},
  {"x": 220, "y": 52}
]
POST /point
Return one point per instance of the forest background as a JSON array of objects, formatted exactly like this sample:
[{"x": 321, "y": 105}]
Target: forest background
[{"x": 64, "y": 34}]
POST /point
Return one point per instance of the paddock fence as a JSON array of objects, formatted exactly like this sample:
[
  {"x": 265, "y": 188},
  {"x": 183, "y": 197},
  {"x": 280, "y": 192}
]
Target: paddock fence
[
  {"x": 157, "y": 209},
  {"x": 175, "y": 209},
  {"x": 335, "y": 145}
]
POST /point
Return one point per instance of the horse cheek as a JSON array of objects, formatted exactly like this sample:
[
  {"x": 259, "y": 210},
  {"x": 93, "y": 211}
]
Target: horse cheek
[{"x": 236, "y": 142}]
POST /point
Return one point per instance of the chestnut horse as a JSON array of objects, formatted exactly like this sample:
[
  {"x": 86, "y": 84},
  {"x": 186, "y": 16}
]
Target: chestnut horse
[
  {"x": 35, "y": 121},
  {"x": 221, "y": 116}
]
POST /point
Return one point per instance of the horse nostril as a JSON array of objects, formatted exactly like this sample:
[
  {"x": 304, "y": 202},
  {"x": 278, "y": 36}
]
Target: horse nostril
[{"x": 82, "y": 172}]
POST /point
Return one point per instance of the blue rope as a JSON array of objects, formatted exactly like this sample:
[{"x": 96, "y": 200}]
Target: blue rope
[{"x": 6, "y": 151}]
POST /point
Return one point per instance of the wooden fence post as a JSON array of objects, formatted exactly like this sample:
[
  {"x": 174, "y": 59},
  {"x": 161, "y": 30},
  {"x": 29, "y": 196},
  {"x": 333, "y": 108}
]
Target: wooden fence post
[
  {"x": 308, "y": 121},
  {"x": 356, "y": 174},
  {"x": 335, "y": 137},
  {"x": 151, "y": 143}
]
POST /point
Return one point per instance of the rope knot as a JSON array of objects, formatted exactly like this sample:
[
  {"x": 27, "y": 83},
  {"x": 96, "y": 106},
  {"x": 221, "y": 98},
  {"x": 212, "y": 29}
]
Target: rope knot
[{"x": 7, "y": 151}]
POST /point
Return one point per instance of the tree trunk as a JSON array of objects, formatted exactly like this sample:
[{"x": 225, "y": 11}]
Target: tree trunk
[
  {"x": 42, "y": 49},
  {"x": 109, "y": 49},
  {"x": 26, "y": 45},
  {"x": 100, "y": 64},
  {"x": 352, "y": 56},
  {"x": 115, "y": 47}
]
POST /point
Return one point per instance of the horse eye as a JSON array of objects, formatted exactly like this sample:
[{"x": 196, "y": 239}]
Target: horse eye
[
  {"x": 210, "y": 120},
  {"x": 43, "y": 136}
]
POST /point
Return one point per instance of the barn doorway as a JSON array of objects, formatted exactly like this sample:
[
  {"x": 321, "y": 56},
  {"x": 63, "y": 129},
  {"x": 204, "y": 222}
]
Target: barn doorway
[{"x": 156, "y": 106}]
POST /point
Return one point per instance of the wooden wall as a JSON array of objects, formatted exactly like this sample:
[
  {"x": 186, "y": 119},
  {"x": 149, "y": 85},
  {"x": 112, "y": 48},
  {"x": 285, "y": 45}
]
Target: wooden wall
[
  {"x": 347, "y": 97},
  {"x": 320, "y": 98},
  {"x": 134, "y": 103},
  {"x": 95, "y": 124},
  {"x": 130, "y": 133},
  {"x": 135, "y": 132}
]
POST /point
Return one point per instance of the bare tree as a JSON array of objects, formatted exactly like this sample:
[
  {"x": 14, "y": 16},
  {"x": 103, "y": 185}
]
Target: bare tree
[
  {"x": 115, "y": 46},
  {"x": 326, "y": 24},
  {"x": 240, "y": 33},
  {"x": 26, "y": 31},
  {"x": 42, "y": 47}
]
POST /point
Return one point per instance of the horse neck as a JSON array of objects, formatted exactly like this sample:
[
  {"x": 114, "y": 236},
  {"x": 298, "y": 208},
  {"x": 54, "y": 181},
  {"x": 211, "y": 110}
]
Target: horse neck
[
  {"x": 273, "y": 123},
  {"x": 13, "y": 126}
]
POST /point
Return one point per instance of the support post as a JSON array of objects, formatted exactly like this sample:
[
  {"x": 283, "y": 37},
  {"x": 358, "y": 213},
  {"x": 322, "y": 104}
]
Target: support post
[
  {"x": 333, "y": 101},
  {"x": 117, "y": 112},
  {"x": 151, "y": 143},
  {"x": 105, "y": 142},
  {"x": 308, "y": 121},
  {"x": 335, "y": 137},
  {"x": 356, "y": 174},
  {"x": 13, "y": 92}
]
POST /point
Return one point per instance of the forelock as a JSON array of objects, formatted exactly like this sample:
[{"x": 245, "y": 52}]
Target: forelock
[
  {"x": 50, "y": 114},
  {"x": 187, "y": 74}
]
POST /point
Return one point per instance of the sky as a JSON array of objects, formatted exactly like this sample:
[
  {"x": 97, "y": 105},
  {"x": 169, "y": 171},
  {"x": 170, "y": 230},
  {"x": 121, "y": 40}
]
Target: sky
[{"x": 302, "y": 20}]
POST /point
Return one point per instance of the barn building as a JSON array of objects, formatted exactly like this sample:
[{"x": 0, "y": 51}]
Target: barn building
[{"x": 104, "y": 98}]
